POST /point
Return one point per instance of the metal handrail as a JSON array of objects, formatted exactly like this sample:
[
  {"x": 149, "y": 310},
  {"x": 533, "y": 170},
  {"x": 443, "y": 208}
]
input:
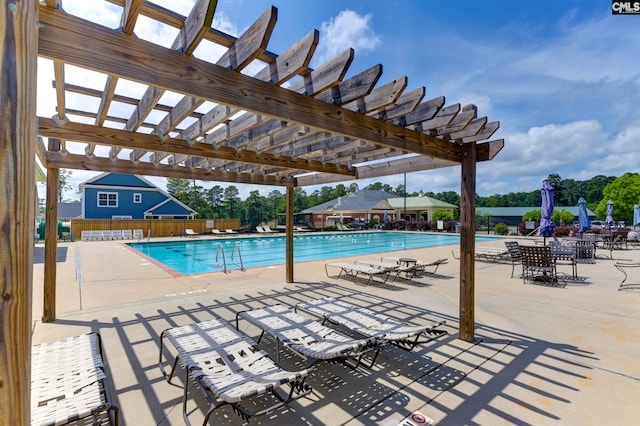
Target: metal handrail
[
  {"x": 220, "y": 251},
  {"x": 236, "y": 249}
]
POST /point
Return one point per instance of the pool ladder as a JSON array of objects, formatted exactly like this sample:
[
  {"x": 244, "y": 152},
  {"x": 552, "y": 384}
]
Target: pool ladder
[{"x": 220, "y": 254}]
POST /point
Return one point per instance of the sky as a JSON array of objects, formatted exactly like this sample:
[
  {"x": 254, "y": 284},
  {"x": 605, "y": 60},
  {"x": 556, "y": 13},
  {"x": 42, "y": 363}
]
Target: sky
[{"x": 560, "y": 76}]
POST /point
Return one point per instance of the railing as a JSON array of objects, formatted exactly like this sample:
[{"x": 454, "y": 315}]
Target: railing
[
  {"x": 236, "y": 249},
  {"x": 220, "y": 253}
]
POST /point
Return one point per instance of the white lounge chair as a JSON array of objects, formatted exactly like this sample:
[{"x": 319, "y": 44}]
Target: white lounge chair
[
  {"x": 138, "y": 234},
  {"x": 367, "y": 322},
  {"x": 260, "y": 229},
  {"x": 308, "y": 338},
  {"x": 69, "y": 382},
  {"x": 116, "y": 234},
  {"x": 107, "y": 235},
  {"x": 267, "y": 228},
  {"x": 355, "y": 269},
  {"x": 127, "y": 234},
  {"x": 229, "y": 368},
  {"x": 420, "y": 265},
  {"x": 189, "y": 232},
  {"x": 216, "y": 232},
  {"x": 230, "y": 231}
]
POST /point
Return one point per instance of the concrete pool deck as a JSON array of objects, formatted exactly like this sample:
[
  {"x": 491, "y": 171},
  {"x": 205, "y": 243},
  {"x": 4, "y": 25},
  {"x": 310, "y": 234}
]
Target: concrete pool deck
[{"x": 542, "y": 355}]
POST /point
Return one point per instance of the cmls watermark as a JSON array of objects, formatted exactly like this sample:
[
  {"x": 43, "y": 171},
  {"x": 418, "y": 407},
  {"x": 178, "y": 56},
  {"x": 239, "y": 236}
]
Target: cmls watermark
[{"x": 625, "y": 7}]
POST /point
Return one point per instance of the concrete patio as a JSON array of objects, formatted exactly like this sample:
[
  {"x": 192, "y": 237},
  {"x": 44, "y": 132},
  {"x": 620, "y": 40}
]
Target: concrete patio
[{"x": 563, "y": 354}]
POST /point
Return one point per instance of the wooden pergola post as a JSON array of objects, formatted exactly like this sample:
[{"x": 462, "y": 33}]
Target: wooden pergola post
[
  {"x": 50, "y": 243},
  {"x": 289, "y": 234},
  {"x": 18, "y": 62},
  {"x": 467, "y": 241}
]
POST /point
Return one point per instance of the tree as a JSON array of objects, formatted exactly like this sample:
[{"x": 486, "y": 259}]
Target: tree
[
  {"x": 441, "y": 214},
  {"x": 179, "y": 189},
  {"x": 534, "y": 215},
  {"x": 562, "y": 217},
  {"x": 215, "y": 198},
  {"x": 624, "y": 192},
  {"x": 232, "y": 201},
  {"x": 64, "y": 183}
]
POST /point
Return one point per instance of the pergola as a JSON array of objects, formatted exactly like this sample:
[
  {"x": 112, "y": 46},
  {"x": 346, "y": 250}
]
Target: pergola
[{"x": 285, "y": 125}]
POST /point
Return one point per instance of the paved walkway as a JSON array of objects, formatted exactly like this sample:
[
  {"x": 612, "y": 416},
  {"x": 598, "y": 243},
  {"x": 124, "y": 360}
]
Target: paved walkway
[{"x": 543, "y": 354}]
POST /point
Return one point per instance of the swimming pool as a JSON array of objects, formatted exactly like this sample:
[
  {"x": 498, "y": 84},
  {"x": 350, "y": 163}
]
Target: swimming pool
[{"x": 195, "y": 256}]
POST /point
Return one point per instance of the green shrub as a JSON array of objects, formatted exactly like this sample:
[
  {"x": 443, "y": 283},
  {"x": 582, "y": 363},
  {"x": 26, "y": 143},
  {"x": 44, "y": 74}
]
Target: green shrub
[{"x": 501, "y": 229}]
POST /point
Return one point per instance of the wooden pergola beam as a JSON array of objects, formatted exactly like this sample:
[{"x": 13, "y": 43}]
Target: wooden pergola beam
[
  {"x": 111, "y": 52},
  {"x": 113, "y": 137},
  {"x": 81, "y": 162}
]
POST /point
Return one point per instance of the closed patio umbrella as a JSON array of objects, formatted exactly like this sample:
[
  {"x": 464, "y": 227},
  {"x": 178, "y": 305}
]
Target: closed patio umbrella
[
  {"x": 609, "y": 220},
  {"x": 583, "y": 217},
  {"x": 636, "y": 216},
  {"x": 546, "y": 224}
]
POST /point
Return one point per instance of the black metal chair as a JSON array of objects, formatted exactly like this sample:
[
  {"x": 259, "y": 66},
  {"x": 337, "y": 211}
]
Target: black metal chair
[
  {"x": 515, "y": 254},
  {"x": 538, "y": 264}
]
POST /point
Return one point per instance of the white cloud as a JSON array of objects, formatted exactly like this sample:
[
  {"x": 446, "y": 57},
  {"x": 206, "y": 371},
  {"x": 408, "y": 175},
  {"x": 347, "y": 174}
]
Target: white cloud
[{"x": 348, "y": 29}]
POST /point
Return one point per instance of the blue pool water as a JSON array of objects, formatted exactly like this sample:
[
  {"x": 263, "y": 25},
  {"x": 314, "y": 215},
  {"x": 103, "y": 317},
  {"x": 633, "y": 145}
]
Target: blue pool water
[{"x": 195, "y": 256}]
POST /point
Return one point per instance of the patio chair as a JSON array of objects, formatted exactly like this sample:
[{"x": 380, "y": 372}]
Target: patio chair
[
  {"x": 260, "y": 230},
  {"x": 622, "y": 267},
  {"x": 267, "y": 228},
  {"x": 310, "y": 339},
  {"x": 216, "y": 232},
  {"x": 389, "y": 267},
  {"x": 537, "y": 263},
  {"x": 127, "y": 234},
  {"x": 585, "y": 251},
  {"x": 368, "y": 323},
  {"x": 564, "y": 252},
  {"x": 138, "y": 234},
  {"x": 230, "y": 231},
  {"x": 189, "y": 232},
  {"x": 69, "y": 382},
  {"x": 355, "y": 269},
  {"x": 229, "y": 368},
  {"x": 515, "y": 254},
  {"x": 420, "y": 265}
]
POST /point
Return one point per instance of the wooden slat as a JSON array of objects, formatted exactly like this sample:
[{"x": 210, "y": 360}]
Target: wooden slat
[
  {"x": 127, "y": 23},
  {"x": 50, "y": 245},
  {"x": 201, "y": 17},
  {"x": 357, "y": 86},
  {"x": 18, "y": 79},
  {"x": 247, "y": 47},
  {"x": 124, "y": 139},
  {"x": 487, "y": 131},
  {"x": 291, "y": 63}
]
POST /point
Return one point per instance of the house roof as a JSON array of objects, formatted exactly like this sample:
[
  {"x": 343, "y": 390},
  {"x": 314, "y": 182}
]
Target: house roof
[
  {"x": 361, "y": 200},
  {"x": 521, "y": 211},
  {"x": 123, "y": 181},
  {"x": 69, "y": 210},
  {"x": 415, "y": 203}
]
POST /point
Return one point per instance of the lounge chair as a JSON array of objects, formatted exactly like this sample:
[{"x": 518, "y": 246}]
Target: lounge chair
[
  {"x": 127, "y": 234},
  {"x": 69, "y": 382},
  {"x": 307, "y": 338},
  {"x": 390, "y": 267},
  {"x": 216, "y": 232},
  {"x": 420, "y": 265},
  {"x": 107, "y": 235},
  {"x": 260, "y": 229},
  {"x": 229, "y": 368},
  {"x": 300, "y": 229},
  {"x": 116, "y": 234},
  {"x": 267, "y": 228},
  {"x": 189, "y": 232},
  {"x": 355, "y": 269},
  {"x": 367, "y": 322},
  {"x": 138, "y": 234},
  {"x": 230, "y": 231},
  {"x": 490, "y": 254}
]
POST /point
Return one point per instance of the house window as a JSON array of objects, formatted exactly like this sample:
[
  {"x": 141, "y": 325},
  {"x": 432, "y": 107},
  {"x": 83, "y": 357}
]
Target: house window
[
  {"x": 137, "y": 197},
  {"x": 107, "y": 199}
]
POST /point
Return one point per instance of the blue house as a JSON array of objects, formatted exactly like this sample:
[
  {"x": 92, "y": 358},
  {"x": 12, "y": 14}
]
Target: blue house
[{"x": 122, "y": 196}]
